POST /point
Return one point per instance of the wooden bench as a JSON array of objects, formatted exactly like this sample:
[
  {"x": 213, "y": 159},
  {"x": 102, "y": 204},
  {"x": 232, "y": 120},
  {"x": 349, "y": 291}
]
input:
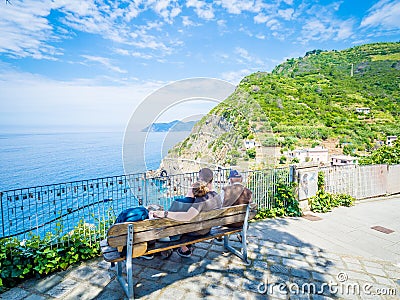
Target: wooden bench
[{"x": 136, "y": 235}]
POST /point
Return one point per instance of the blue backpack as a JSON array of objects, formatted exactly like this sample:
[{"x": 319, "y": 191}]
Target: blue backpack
[{"x": 133, "y": 214}]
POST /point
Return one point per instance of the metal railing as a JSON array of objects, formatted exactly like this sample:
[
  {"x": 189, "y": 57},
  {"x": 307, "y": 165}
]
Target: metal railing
[
  {"x": 59, "y": 208},
  {"x": 361, "y": 182}
]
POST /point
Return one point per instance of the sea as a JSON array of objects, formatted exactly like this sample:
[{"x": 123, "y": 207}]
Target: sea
[
  {"x": 36, "y": 159},
  {"x": 48, "y": 180}
]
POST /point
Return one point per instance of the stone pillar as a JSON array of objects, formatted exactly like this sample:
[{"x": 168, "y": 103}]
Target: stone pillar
[{"x": 306, "y": 178}]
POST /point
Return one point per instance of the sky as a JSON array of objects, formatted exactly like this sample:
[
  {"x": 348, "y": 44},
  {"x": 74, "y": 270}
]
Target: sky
[{"x": 87, "y": 65}]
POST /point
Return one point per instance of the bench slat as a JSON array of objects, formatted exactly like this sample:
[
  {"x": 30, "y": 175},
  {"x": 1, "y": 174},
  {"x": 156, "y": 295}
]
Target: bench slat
[
  {"x": 117, "y": 229},
  {"x": 111, "y": 254},
  {"x": 178, "y": 228}
]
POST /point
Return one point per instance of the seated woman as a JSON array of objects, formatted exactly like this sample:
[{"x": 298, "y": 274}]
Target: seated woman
[
  {"x": 204, "y": 200},
  {"x": 182, "y": 205}
]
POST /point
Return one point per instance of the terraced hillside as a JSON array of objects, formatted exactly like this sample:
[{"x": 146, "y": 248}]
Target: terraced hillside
[{"x": 304, "y": 102}]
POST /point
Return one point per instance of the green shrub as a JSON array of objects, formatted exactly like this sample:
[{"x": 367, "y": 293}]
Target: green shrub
[
  {"x": 286, "y": 203},
  {"x": 345, "y": 200},
  {"x": 384, "y": 155},
  {"x": 324, "y": 202},
  {"x": 321, "y": 202},
  {"x": 40, "y": 256},
  {"x": 251, "y": 153}
]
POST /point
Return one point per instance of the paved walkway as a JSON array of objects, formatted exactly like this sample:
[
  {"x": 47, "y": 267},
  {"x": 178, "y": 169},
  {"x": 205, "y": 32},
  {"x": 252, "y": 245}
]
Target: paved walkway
[{"x": 339, "y": 256}]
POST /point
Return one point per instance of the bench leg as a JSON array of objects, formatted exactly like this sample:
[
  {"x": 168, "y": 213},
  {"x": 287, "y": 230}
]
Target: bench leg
[
  {"x": 127, "y": 284},
  {"x": 243, "y": 253}
]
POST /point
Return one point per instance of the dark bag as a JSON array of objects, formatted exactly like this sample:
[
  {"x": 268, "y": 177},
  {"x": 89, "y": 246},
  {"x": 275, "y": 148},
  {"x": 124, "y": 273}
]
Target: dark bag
[{"x": 133, "y": 214}]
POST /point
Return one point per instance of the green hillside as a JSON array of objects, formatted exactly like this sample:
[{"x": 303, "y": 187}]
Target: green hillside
[
  {"x": 312, "y": 100},
  {"x": 315, "y": 97}
]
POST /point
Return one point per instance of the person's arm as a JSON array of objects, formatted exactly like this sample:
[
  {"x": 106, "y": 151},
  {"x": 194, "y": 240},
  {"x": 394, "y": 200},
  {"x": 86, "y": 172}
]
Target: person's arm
[{"x": 182, "y": 216}]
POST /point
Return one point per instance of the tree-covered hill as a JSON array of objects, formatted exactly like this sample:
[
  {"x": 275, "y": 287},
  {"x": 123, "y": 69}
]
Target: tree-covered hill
[{"x": 307, "y": 101}]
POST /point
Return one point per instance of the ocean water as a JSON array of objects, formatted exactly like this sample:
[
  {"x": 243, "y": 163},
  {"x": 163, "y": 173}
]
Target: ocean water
[
  {"x": 52, "y": 180},
  {"x": 29, "y": 160}
]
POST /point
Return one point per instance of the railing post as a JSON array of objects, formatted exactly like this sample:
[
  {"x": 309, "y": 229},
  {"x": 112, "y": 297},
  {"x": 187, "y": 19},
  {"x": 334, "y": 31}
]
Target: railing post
[
  {"x": 2, "y": 213},
  {"x": 145, "y": 190},
  {"x": 291, "y": 173}
]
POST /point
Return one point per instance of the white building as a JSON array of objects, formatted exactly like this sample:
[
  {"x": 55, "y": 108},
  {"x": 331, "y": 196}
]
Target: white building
[
  {"x": 301, "y": 155},
  {"x": 363, "y": 110},
  {"x": 390, "y": 139},
  {"x": 343, "y": 160},
  {"x": 249, "y": 144},
  {"x": 318, "y": 154}
]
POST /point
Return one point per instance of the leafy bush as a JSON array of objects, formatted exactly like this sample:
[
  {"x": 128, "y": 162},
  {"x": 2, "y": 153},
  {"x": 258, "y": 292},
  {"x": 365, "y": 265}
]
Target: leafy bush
[
  {"x": 40, "y": 256},
  {"x": 286, "y": 203},
  {"x": 321, "y": 202},
  {"x": 251, "y": 153},
  {"x": 345, "y": 200},
  {"x": 383, "y": 155},
  {"x": 324, "y": 202}
]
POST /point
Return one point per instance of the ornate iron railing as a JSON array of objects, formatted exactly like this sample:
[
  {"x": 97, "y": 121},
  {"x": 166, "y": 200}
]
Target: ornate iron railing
[{"x": 58, "y": 208}]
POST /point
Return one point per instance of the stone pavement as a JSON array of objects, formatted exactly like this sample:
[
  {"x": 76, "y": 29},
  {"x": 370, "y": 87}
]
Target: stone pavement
[{"x": 337, "y": 257}]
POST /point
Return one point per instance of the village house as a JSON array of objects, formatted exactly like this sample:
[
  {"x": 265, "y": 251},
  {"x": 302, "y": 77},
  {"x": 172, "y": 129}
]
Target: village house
[
  {"x": 318, "y": 154},
  {"x": 343, "y": 160},
  {"x": 363, "y": 110},
  {"x": 390, "y": 139},
  {"x": 249, "y": 144}
]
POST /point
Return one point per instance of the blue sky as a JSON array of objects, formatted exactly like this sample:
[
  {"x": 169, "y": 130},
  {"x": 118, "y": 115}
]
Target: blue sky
[{"x": 87, "y": 64}]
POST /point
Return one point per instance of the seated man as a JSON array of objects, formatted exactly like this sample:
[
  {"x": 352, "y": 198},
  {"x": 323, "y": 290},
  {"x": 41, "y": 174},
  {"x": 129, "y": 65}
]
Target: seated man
[{"x": 235, "y": 193}]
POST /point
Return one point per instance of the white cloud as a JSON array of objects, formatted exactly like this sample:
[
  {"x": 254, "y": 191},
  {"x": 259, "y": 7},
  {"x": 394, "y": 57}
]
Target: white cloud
[
  {"x": 221, "y": 23},
  {"x": 273, "y": 24},
  {"x": 187, "y": 22},
  {"x": 105, "y": 62},
  {"x": 345, "y": 30},
  {"x": 288, "y": 2},
  {"x": 286, "y": 14},
  {"x": 25, "y": 30},
  {"x": 203, "y": 10},
  {"x": 122, "y": 51},
  {"x": 167, "y": 9},
  {"x": 316, "y": 30},
  {"x": 246, "y": 58},
  {"x": 141, "y": 55},
  {"x": 132, "y": 11},
  {"x": 235, "y": 76},
  {"x": 323, "y": 30},
  {"x": 238, "y": 6},
  {"x": 243, "y": 53},
  {"x": 385, "y": 13},
  {"x": 261, "y": 18},
  {"x": 260, "y": 36}
]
